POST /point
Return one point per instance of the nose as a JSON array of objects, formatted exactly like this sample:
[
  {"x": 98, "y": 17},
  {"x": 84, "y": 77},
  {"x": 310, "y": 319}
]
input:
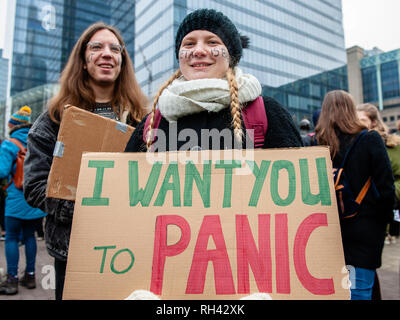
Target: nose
[
  {"x": 106, "y": 52},
  {"x": 199, "y": 50}
]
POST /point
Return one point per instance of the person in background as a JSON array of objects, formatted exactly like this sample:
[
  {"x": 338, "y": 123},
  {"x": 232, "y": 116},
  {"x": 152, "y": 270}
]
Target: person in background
[
  {"x": 398, "y": 127},
  {"x": 3, "y": 195},
  {"x": 309, "y": 139},
  {"x": 363, "y": 235},
  {"x": 19, "y": 216},
  {"x": 209, "y": 90},
  {"x": 305, "y": 128},
  {"x": 98, "y": 77},
  {"x": 369, "y": 115}
]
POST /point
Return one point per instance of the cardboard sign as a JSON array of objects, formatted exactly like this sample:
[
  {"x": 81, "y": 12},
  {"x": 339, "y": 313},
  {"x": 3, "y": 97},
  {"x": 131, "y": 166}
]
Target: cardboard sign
[
  {"x": 80, "y": 131},
  {"x": 206, "y": 227}
]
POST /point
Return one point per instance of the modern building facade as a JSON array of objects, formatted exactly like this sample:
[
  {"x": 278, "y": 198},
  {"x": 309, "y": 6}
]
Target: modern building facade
[
  {"x": 3, "y": 76},
  {"x": 304, "y": 96},
  {"x": 374, "y": 78},
  {"x": 290, "y": 39},
  {"x": 46, "y": 31},
  {"x": 43, "y": 34}
]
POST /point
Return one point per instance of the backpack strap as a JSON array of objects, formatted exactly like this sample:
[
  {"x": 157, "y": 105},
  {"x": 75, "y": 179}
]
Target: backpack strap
[
  {"x": 364, "y": 191},
  {"x": 255, "y": 117},
  {"x": 18, "y": 144},
  {"x": 369, "y": 182},
  {"x": 22, "y": 149},
  {"x": 156, "y": 123}
]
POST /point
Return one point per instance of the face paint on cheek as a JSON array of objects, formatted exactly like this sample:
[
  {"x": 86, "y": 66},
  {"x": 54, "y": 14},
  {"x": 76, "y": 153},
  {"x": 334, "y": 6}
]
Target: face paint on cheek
[
  {"x": 185, "y": 54},
  {"x": 89, "y": 58},
  {"x": 215, "y": 52}
]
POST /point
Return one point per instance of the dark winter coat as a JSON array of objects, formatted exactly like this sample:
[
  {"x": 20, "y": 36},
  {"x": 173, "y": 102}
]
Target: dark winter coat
[
  {"x": 282, "y": 131},
  {"x": 363, "y": 236}
]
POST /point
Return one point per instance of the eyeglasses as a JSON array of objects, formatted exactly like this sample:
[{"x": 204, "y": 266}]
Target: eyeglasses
[{"x": 100, "y": 46}]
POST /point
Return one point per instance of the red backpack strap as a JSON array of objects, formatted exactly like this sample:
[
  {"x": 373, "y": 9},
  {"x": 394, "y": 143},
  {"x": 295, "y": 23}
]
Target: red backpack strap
[
  {"x": 255, "y": 117},
  {"x": 23, "y": 150},
  {"x": 18, "y": 144},
  {"x": 157, "y": 120}
]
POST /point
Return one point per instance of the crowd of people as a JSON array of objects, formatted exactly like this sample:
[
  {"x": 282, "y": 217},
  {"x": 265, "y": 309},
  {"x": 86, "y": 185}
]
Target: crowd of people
[{"x": 207, "y": 91}]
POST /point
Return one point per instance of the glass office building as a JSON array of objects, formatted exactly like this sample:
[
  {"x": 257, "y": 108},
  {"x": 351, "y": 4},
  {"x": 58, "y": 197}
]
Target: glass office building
[
  {"x": 303, "y": 97},
  {"x": 46, "y": 31},
  {"x": 380, "y": 77},
  {"x": 290, "y": 39},
  {"x": 3, "y": 76}
]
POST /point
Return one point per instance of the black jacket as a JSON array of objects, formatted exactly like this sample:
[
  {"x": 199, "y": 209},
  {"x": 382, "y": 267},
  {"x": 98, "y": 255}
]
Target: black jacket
[
  {"x": 41, "y": 141},
  {"x": 281, "y": 133},
  {"x": 363, "y": 236}
]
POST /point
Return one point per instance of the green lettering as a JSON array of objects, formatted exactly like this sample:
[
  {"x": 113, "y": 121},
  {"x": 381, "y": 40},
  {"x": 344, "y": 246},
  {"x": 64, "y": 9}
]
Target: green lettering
[
  {"x": 203, "y": 185},
  {"x": 105, "y": 248},
  {"x": 174, "y": 186},
  {"x": 228, "y": 165},
  {"x": 260, "y": 174},
  {"x": 289, "y": 167},
  {"x": 96, "y": 200},
  {"x": 137, "y": 194},
  {"x": 324, "y": 195},
  {"x": 130, "y": 265}
]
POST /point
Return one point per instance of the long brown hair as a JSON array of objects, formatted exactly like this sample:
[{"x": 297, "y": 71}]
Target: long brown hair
[
  {"x": 235, "y": 106},
  {"x": 338, "y": 113},
  {"x": 75, "y": 90},
  {"x": 377, "y": 124}
]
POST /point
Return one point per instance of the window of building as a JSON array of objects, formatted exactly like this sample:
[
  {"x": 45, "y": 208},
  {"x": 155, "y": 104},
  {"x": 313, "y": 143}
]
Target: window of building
[
  {"x": 390, "y": 80},
  {"x": 369, "y": 82}
]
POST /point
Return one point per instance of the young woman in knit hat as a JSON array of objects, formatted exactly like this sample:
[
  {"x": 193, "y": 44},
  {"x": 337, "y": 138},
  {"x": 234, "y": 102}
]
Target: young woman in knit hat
[
  {"x": 19, "y": 216},
  {"x": 98, "y": 77},
  {"x": 209, "y": 91}
]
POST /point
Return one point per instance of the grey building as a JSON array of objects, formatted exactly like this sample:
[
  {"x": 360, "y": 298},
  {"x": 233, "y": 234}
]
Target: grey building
[
  {"x": 374, "y": 77},
  {"x": 3, "y": 76},
  {"x": 46, "y": 31},
  {"x": 290, "y": 39}
]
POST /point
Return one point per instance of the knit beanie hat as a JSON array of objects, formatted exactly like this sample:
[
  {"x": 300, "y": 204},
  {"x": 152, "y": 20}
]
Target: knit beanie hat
[
  {"x": 217, "y": 23},
  {"x": 22, "y": 116}
]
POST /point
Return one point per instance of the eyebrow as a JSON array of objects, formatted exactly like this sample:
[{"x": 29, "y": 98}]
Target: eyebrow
[{"x": 206, "y": 38}]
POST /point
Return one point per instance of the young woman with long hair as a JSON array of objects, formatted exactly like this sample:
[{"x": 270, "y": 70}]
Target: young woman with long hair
[
  {"x": 369, "y": 114},
  {"x": 209, "y": 91},
  {"x": 98, "y": 77},
  {"x": 363, "y": 235}
]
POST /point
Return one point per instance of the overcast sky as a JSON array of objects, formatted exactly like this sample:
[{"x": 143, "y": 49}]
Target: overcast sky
[
  {"x": 372, "y": 23},
  {"x": 367, "y": 23}
]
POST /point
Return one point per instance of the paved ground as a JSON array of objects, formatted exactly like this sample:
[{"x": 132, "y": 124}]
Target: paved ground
[{"x": 388, "y": 274}]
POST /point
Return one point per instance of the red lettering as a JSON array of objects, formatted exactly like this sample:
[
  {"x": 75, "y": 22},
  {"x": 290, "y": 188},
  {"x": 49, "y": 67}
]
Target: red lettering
[
  {"x": 282, "y": 254},
  {"x": 210, "y": 227},
  {"x": 312, "y": 284},
  {"x": 260, "y": 261},
  {"x": 162, "y": 250}
]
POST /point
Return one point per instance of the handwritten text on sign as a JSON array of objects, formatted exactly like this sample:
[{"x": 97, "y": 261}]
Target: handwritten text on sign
[{"x": 262, "y": 245}]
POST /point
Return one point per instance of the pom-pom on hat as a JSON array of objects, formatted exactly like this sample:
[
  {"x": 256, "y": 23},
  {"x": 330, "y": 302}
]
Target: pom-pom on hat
[
  {"x": 22, "y": 116},
  {"x": 217, "y": 23}
]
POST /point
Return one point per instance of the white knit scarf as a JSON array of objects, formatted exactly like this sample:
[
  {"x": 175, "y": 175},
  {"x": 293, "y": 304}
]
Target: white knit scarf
[{"x": 184, "y": 97}]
